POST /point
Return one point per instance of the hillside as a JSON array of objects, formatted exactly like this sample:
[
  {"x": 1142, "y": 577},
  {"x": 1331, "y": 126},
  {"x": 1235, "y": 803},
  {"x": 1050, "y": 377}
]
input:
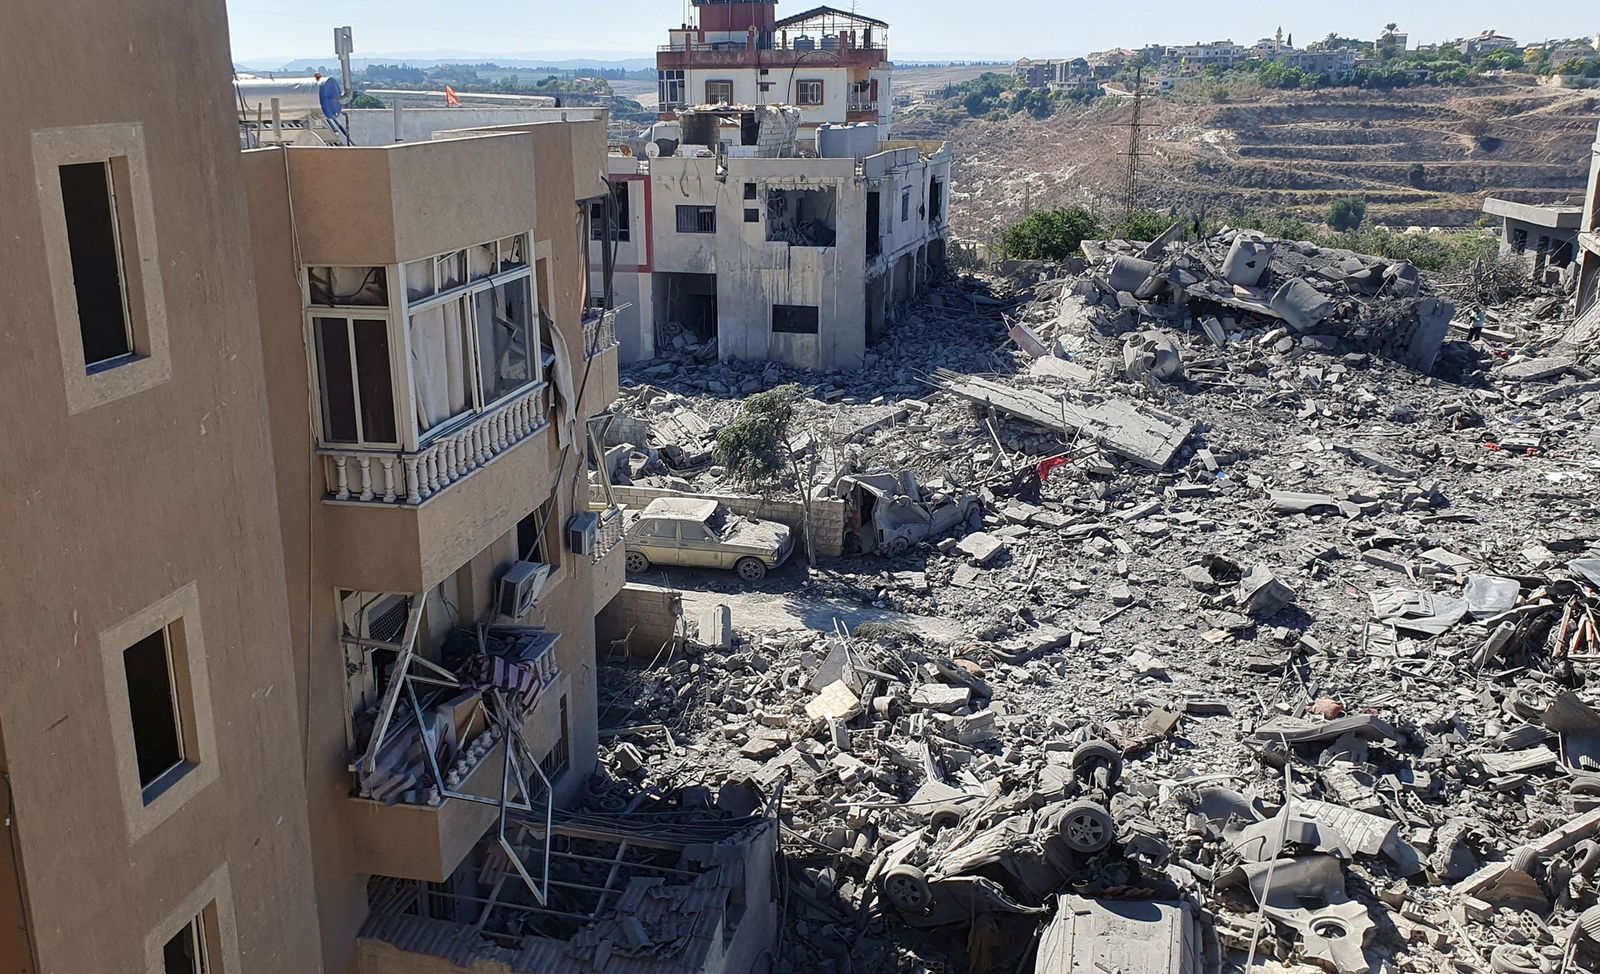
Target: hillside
[{"x": 1290, "y": 152}]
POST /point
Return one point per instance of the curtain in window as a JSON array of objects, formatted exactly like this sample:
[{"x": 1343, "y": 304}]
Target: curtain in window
[{"x": 439, "y": 364}]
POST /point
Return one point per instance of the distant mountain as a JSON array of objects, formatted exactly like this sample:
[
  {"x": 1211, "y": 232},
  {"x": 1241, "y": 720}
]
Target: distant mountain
[{"x": 429, "y": 59}]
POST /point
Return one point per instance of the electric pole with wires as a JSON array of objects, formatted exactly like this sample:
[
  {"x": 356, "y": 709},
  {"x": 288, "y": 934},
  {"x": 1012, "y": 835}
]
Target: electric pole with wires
[{"x": 1131, "y": 180}]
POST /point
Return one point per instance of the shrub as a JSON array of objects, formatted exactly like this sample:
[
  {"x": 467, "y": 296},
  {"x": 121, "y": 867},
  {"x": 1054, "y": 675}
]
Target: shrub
[
  {"x": 1346, "y": 214},
  {"x": 1049, "y": 235},
  {"x": 1141, "y": 225}
]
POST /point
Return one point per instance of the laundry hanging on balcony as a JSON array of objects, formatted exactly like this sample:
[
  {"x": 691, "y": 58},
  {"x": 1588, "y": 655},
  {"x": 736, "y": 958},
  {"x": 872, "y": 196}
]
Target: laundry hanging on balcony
[{"x": 522, "y": 680}]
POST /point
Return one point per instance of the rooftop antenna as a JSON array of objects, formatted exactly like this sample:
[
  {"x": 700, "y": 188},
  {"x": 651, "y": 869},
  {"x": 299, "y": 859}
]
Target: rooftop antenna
[{"x": 342, "y": 46}]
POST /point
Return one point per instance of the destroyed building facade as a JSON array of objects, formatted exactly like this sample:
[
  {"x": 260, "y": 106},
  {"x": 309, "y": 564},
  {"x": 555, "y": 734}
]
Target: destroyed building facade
[
  {"x": 1545, "y": 235},
  {"x": 767, "y": 253},
  {"x": 1589, "y": 238}
]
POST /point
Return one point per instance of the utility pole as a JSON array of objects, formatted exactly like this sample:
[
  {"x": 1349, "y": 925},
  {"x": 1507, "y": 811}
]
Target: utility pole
[{"x": 1131, "y": 186}]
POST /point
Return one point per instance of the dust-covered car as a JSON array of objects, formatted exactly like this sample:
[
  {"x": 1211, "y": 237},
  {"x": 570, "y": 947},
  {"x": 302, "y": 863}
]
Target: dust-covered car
[{"x": 705, "y": 534}]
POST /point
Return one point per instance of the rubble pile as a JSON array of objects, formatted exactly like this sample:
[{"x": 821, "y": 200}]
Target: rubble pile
[{"x": 1312, "y": 628}]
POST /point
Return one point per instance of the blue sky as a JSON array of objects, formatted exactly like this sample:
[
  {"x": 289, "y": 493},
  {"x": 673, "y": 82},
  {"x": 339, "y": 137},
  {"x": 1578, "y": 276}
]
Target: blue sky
[{"x": 264, "y": 30}]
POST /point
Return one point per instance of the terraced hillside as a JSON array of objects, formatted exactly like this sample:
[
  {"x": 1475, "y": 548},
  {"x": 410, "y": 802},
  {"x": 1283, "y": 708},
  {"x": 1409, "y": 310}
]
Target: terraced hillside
[{"x": 1286, "y": 152}]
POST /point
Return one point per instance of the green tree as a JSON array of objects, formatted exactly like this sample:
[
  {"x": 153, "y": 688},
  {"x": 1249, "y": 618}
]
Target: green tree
[
  {"x": 1049, "y": 235},
  {"x": 1141, "y": 225},
  {"x": 1346, "y": 214},
  {"x": 1417, "y": 175},
  {"x": 757, "y": 449},
  {"x": 364, "y": 100}
]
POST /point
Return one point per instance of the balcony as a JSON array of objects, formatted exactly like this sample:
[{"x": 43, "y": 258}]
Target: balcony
[
  {"x": 442, "y": 774},
  {"x": 599, "y": 333},
  {"x": 411, "y": 478},
  {"x": 856, "y": 104}
]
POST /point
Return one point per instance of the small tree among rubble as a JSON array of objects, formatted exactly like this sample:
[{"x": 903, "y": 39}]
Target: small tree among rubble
[
  {"x": 757, "y": 449},
  {"x": 1049, "y": 235}
]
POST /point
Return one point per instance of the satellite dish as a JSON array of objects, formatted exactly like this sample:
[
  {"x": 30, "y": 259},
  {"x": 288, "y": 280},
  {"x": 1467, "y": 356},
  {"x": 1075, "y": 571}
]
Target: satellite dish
[
  {"x": 330, "y": 95},
  {"x": 652, "y": 150}
]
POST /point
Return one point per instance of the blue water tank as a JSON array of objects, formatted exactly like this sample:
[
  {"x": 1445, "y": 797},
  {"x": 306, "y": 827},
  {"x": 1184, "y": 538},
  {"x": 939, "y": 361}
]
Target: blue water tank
[{"x": 330, "y": 94}]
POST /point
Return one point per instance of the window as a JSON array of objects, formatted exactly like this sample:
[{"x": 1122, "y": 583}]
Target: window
[
  {"x": 693, "y": 532},
  {"x": 749, "y": 191},
  {"x": 158, "y": 700},
  {"x": 808, "y": 93},
  {"x": 88, "y": 201},
  {"x": 507, "y": 351},
  {"x": 719, "y": 92},
  {"x": 185, "y": 953},
  {"x": 659, "y": 529},
  {"x": 538, "y": 534},
  {"x": 555, "y": 764},
  {"x": 752, "y": 216},
  {"x": 105, "y": 271},
  {"x": 795, "y": 319},
  {"x": 697, "y": 219},
  {"x": 153, "y": 707},
  {"x": 343, "y": 287},
  {"x": 356, "y": 387},
  {"x": 905, "y": 205},
  {"x": 669, "y": 88},
  {"x": 619, "y": 214}
]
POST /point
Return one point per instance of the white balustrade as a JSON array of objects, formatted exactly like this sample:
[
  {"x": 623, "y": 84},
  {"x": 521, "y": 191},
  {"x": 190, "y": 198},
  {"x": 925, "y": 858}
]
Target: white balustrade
[
  {"x": 599, "y": 333},
  {"x": 399, "y": 477}
]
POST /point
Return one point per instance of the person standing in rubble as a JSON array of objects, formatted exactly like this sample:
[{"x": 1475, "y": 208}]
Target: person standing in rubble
[{"x": 1475, "y": 331}]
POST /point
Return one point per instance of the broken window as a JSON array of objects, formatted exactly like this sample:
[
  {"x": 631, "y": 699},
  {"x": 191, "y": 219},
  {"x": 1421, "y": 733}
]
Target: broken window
[
  {"x": 153, "y": 709},
  {"x": 669, "y": 88},
  {"x": 185, "y": 953},
  {"x": 808, "y": 93},
  {"x": 697, "y": 219},
  {"x": 441, "y": 361},
  {"x": 507, "y": 359},
  {"x": 1519, "y": 241},
  {"x": 619, "y": 217},
  {"x": 719, "y": 92},
  {"x": 555, "y": 763},
  {"x": 795, "y": 319},
  {"x": 89, "y": 203},
  {"x": 802, "y": 217},
  {"x": 905, "y": 205},
  {"x": 935, "y": 202},
  {"x": 874, "y": 224},
  {"x": 362, "y": 287},
  {"x": 752, "y": 216},
  {"x": 750, "y": 191},
  {"x": 536, "y": 535}
]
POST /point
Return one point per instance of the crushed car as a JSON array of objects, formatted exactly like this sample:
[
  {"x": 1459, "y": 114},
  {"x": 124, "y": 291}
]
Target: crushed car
[
  {"x": 1013, "y": 852},
  {"x": 698, "y": 533},
  {"x": 888, "y": 514}
]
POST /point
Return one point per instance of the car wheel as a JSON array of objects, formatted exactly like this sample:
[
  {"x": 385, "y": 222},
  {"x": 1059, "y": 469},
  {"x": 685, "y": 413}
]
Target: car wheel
[
  {"x": 1091, "y": 756},
  {"x": 637, "y": 562},
  {"x": 897, "y": 547},
  {"x": 1087, "y": 827},
  {"x": 907, "y": 888},
  {"x": 750, "y": 569}
]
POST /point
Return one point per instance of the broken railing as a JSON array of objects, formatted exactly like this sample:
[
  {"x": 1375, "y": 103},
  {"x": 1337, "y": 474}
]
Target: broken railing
[
  {"x": 599, "y": 332},
  {"x": 510, "y": 688}
]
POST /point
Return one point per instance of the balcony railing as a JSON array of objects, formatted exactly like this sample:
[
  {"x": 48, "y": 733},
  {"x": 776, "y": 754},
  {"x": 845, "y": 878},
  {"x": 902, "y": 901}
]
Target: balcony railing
[
  {"x": 599, "y": 333},
  {"x": 409, "y": 478},
  {"x": 613, "y": 524}
]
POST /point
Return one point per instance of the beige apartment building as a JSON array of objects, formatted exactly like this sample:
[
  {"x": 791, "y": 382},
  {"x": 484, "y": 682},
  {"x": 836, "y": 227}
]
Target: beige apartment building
[{"x": 302, "y": 562}]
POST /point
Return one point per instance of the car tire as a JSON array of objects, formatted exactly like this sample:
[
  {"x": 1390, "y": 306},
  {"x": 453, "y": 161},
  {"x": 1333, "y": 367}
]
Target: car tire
[
  {"x": 897, "y": 547},
  {"x": 636, "y": 562},
  {"x": 1092, "y": 755},
  {"x": 1087, "y": 827},
  {"x": 750, "y": 569},
  {"x": 906, "y": 888}
]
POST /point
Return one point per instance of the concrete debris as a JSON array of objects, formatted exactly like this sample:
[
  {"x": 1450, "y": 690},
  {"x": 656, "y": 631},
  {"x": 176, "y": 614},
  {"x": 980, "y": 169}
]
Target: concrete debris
[{"x": 1308, "y": 592}]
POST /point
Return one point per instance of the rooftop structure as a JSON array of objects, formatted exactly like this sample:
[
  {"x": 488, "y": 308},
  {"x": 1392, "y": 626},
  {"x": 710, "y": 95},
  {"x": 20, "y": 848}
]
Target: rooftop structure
[{"x": 830, "y": 64}]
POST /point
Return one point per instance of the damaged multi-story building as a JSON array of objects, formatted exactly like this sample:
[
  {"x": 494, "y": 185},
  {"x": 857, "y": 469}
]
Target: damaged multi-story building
[
  {"x": 1589, "y": 238},
  {"x": 770, "y": 219},
  {"x": 303, "y": 552}
]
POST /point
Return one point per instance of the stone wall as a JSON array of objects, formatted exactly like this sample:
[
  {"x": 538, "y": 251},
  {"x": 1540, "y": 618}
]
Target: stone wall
[
  {"x": 828, "y": 513},
  {"x": 645, "y": 615}
]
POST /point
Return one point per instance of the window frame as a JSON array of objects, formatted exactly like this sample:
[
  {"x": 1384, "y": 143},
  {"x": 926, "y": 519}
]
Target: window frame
[
  {"x": 120, "y": 146},
  {"x": 719, "y": 82},
  {"x": 815, "y": 325},
  {"x": 512, "y": 261},
  {"x": 800, "y": 89},
  {"x": 700, "y": 210},
  {"x": 209, "y": 910},
  {"x": 146, "y": 806},
  {"x": 667, "y": 82}
]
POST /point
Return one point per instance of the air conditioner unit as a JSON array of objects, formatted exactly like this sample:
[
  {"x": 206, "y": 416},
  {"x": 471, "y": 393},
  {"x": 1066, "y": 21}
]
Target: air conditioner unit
[
  {"x": 520, "y": 587},
  {"x": 583, "y": 533}
]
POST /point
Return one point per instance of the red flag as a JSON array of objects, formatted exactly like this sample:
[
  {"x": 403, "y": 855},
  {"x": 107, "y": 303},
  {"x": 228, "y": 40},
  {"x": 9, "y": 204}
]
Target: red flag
[
  {"x": 450, "y": 98},
  {"x": 1045, "y": 466}
]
